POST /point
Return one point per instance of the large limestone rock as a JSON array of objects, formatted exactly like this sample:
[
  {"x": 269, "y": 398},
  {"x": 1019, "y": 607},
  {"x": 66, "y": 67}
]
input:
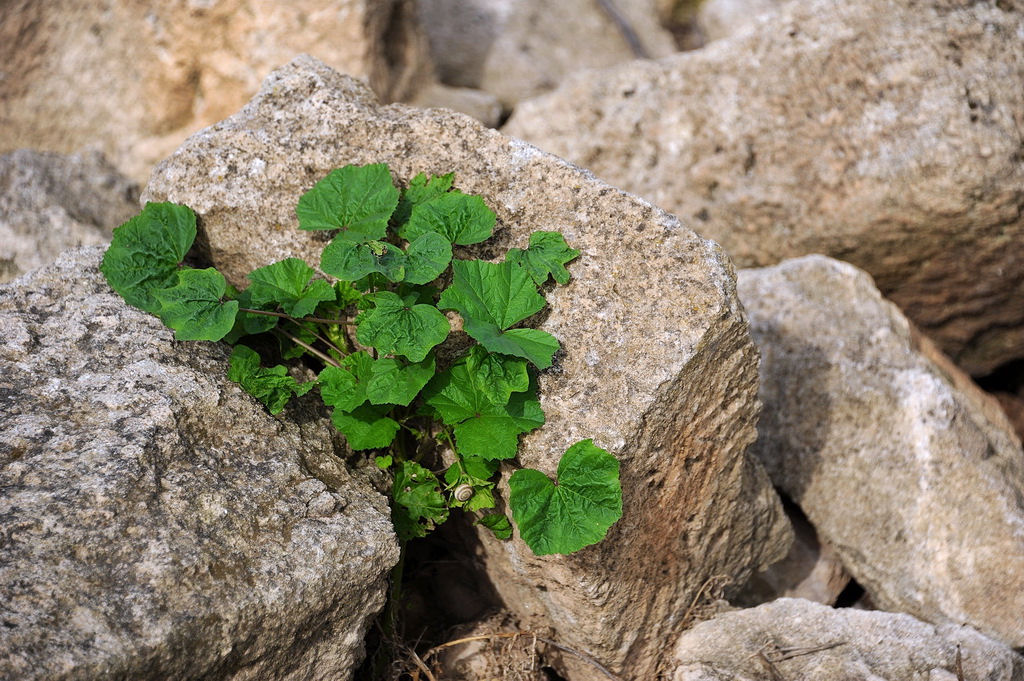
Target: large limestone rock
[
  {"x": 906, "y": 468},
  {"x": 882, "y": 132},
  {"x": 658, "y": 366},
  {"x": 137, "y": 78},
  {"x": 722, "y": 18},
  {"x": 155, "y": 521},
  {"x": 51, "y": 202},
  {"x": 798, "y": 639},
  {"x": 521, "y": 48}
]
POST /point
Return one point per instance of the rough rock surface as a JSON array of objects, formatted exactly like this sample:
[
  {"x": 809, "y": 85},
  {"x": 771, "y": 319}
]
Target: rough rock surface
[
  {"x": 51, "y": 202},
  {"x": 520, "y": 48},
  {"x": 913, "y": 474},
  {"x": 719, "y": 19},
  {"x": 811, "y": 570},
  {"x": 644, "y": 288},
  {"x": 862, "y": 645},
  {"x": 480, "y": 105},
  {"x": 155, "y": 522},
  {"x": 137, "y": 78},
  {"x": 881, "y": 132}
]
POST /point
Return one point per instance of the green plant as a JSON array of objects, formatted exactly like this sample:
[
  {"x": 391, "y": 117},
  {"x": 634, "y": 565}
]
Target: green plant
[{"x": 374, "y": 333}]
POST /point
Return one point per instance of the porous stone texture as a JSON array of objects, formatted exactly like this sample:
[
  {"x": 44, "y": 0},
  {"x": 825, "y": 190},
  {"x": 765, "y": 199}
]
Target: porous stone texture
[
  {"x": 155, "y": 521},
  {"x": 719, "y": 19},
  {"x": 881, "y": 132},
  {"x": 657, "y": 365},
  {"x": 51, "y": 202},
  {"x": 797, "y": 639},
  {"x": 137, "y": 78},
  {"x": 516, "y": 49},
  {"x": 906, "y": 468}
]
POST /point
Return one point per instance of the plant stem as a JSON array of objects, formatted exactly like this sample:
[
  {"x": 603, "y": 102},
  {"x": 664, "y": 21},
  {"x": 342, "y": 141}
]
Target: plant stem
[
  {"x": 315, "y": 320},
  {"x": 298, "y": 341},
  {"x": 320, "y": 338}
]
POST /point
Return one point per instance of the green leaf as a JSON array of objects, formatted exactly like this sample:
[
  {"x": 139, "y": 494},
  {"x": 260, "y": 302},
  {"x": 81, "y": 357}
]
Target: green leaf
[
  {"x": 194, "y": 308},
  {"x": 547, "y": 255},
  {"x": 349, "y": 261},
  {"x": 289, "y": 284},
  {"x": 497, "y": 376},
  {"x": 533, "y": 344},
  {"x": 498, "y": 293},
  {"x": 460, "y": 218},
  {"x": 345, "y": 387},
  {"x": 497, "y": 523},
  {"x": 253, "y": 323},
  {"x": 145, "y": 252},
  {"x": 271, "y": 386},
  {"x": 355, "y": 199},
  {"x": 418, "y": 503},
  {"x": 491, "y": 297},
  {"x": 366, "y": 427},
  {"x": 383, "y": 462},
  {"x": 426, "y": 258},
  {"x": 395, "y": 381},
  {"x": 475, "y": 472},
  {"x": 482, "y": 428},
  {"x": 420, "y": 191},
  {"x": 395, "y": 326},
  {"x": 347, "y": 294},
  {"x": 575, "y": 512}
]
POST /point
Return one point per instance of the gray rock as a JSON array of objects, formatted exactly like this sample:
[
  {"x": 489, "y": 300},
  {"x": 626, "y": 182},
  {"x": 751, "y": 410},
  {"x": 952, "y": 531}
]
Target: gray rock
[
  {"x": 811, "y": 570},
  {"x": 51, "y": 202},
  {"x": 658, "y": 366},
  {"x": 881, "y": 132},
  {"x": 516, "y": 49},
  {"x": 798, "y": 639},
  {"x": 155, "y": 522},
  {"x": 906, "y": 468},
  {"x": 480, "y": 105},
  {"x": 136, "y": 79}
]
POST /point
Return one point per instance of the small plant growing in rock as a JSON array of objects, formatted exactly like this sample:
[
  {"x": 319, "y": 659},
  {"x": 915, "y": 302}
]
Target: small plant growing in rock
[{"x": 373, "y": 328}]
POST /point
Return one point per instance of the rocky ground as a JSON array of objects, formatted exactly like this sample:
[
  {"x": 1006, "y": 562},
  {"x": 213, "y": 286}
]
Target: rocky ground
[{"x": 820, "y": 452}]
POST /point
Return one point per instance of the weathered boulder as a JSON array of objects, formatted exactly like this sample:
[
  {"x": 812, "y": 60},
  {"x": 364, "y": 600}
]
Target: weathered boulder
[
  {"x": 881, "y": 132},
  {"x": 906, "y": 468},
  {"x": 811, "y": 570},
  {"x": 155, "y": 521},
  {"x": 719, "y": 19},
  {"x": 1013, "y": 405},
  {"x": 51, "y": 202},
  {"x": 797, "y": 639},
  {"x": 480, "y": 105},
  {"x": 137, "y": 78},
  {"x": 658, "y": 367},
  {"x": 516, "y": 49}
]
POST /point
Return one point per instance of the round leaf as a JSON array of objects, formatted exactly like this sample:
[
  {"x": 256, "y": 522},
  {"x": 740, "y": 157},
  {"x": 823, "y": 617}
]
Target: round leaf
[{"x": 575, "y": 512}]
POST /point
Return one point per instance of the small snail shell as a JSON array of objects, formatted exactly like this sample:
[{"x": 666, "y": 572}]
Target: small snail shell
[{"x": 463, "y": 492}]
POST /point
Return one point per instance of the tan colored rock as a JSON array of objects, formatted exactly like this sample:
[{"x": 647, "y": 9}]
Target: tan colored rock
[
  {"x": 157, "y": 522},
  {"x": 906, "y": 468},
  {"x": 136, "y": 78},
  {"x": 812, "y": 570},
  {"x": 797, "y": 639},
  {"x": 52, "y": 202},
  {"x": 1013, "y": 405},
  {"x": 879, "y": 132},
  {"x": 516, "y": 49},
  {"x": 719, "y": 19},
  {"x": 658, "y": 366},
  {"x": 480, "y": 105}
]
